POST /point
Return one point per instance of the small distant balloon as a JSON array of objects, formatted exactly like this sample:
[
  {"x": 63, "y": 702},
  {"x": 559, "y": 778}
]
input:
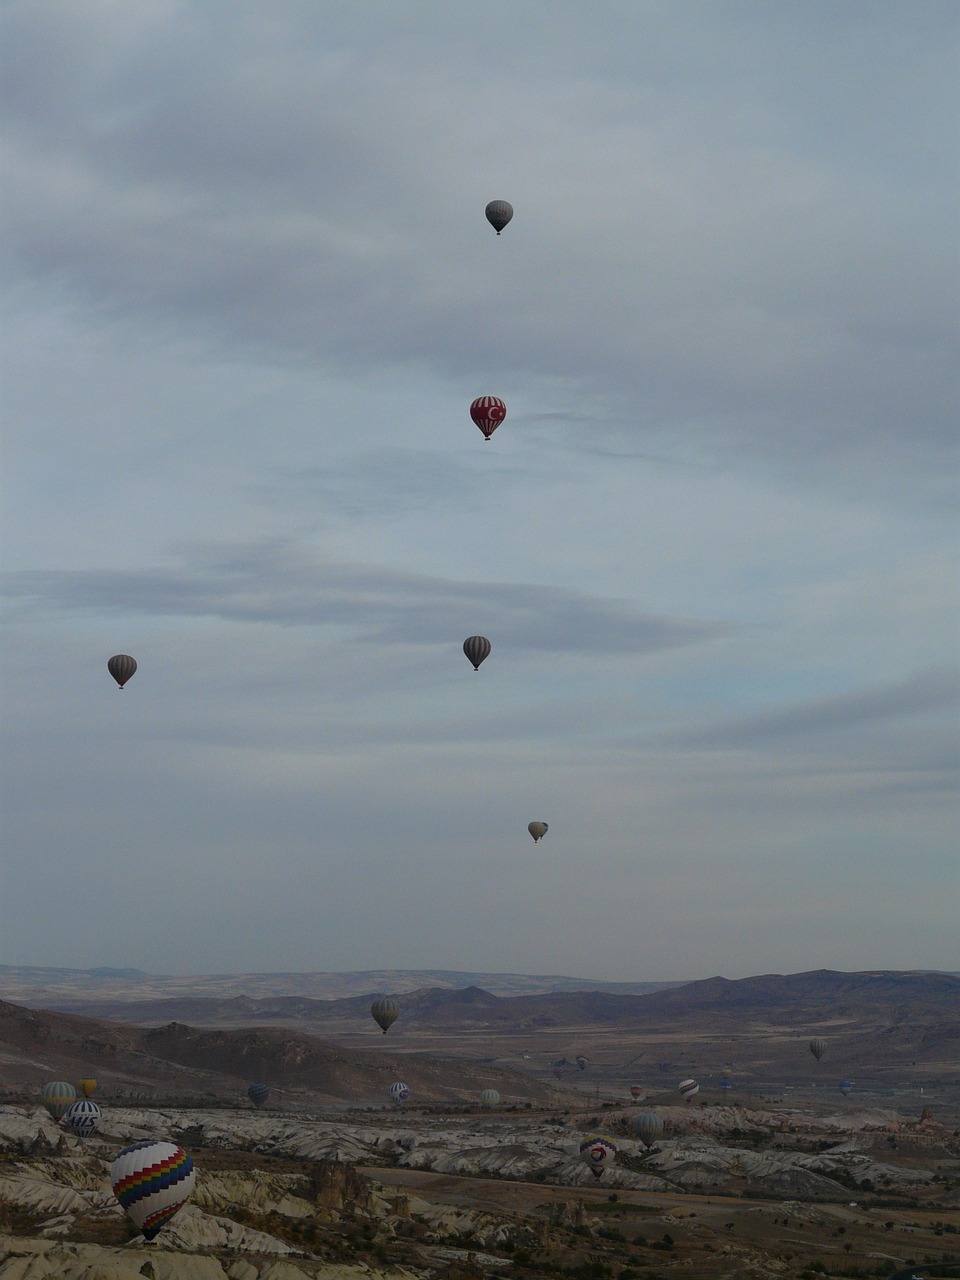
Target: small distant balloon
[
  {"x": 488, "y": 412},
  {"x": 385, "y": 1013},
  {"x": 597, "y": 1152},
  {"x": 258, "y": 1094},
  {"x": 121, "y": 666},
  {"x": 636, "y": 1091},
  {"x": 86, "y": 1087},
  {"x": 490, "y": 1097},
  {"x": 688, "y": 1089},
  {"x": 648, "y": 1127},
  {"x": 152, "y": 1181},
  {"x": 399, "y": 1092},
  {"x": 558, "y": 1072},
  {"x": 581, "y": 1060},
  {"x": 538, "y": 830},
  {"x": 83, "y": 1117},
  {"x": 499, "y": 213},
  {"x": 845, "y": 1087},
  {"x": 818, "y": 1048},
  {"x": 477, "y": 649},
  {"x": 57, "y": 1096}
]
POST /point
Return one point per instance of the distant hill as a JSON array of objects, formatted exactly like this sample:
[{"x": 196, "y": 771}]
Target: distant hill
[
  {"x": 177, "y": 1061},
  {"x": 91, "y": 990}
]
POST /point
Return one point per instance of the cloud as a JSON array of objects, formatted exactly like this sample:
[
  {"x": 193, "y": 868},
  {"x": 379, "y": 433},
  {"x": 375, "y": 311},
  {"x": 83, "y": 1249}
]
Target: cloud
[
  {"x": 936, "y": 690},
  {"x": 273, "y": 583}
]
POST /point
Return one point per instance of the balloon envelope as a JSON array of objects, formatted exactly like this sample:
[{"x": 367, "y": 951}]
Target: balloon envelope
[
  {"x": 597, "y": 1152},
  {"x": 152, "y": 1180},
  {"x": 688, "y": 1089},
  {"x": 499, "y": 213},
  {"x": 818, "y": 1048},
  {"x": 488, "y": 412},
  {"x": 538, "y": 830},
  {"x": 477, "y": 648},
  {"x": 648, "y": 1126},
  {"x": 121, "y": 666},
  {"x": 258, "y": 1094},
  {"x": 384, "y": 1012},
  {"x": 57, "y": 1096},
  {"x": 399, "y": 1092},
  {"x": 86, "y": 1087},
  {"x": 636, "y": 1090},
  {"x": 490, "y": 1097},
  {"x": 83, "y": 1117},
  {"x": 845, "y": 1086},
  {"x": 581, "y": 1061}
]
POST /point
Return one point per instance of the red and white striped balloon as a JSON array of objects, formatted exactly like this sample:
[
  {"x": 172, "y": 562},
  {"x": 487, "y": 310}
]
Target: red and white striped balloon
[{"x": 488, "y": 412}]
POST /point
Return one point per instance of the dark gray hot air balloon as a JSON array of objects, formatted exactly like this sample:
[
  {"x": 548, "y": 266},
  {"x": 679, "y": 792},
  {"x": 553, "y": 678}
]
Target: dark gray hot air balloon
[
  {"x": 384, "y": 1012},
  {"x": 818, "y": 1048},
  {"x": 648, "y": 1127},
  {"x": 121, "y": 666},
  {"x": 258, "y": 1094},
  {"x": 476, "y": 648},
  {"x": 499, "y": 213}
]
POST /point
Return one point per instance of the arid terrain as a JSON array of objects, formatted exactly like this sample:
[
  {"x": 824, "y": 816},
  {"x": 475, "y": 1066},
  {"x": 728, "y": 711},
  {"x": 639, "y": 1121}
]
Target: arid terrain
[{"x": 769, "y": 1171}]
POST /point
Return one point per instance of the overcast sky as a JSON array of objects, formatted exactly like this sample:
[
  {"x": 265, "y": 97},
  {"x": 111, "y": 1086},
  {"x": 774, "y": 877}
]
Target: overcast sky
[{"x": 250, "y": 294}]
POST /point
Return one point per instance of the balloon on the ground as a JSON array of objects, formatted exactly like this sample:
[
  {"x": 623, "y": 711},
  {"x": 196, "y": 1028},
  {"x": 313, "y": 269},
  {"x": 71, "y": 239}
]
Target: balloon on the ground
[
  {"x": 488, "y": 412},
  {"x": 818, "y": 1048},
  {"x": 648, "y": 1127},
  {"x": 57, "y": 1096},
  {"x": 385, "y": 1012},
  {"x": 399, "y": 1092},
  {"x": 489, "y": 1097},
  {"x": 121, "y": 666},
  {"x": 688, "y": 1089},
  {"x": 538, "y": 830},
  {"x": 499, "y": 213},
  {"x": 152, "y": 1180},
  {"x": 597, "y": 1152},
  {"x": 258, "y": 1094},
  {"x": 477, "y": 648},
  {"x": 86, "y": 1087},
  {"x": 83, "y": 1117}
]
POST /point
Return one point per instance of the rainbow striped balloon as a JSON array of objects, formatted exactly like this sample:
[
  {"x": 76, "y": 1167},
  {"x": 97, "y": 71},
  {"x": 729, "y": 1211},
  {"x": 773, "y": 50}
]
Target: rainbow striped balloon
[
  {"x": 152, "y": 1180},
  {"x": 688, "y": 1089}
]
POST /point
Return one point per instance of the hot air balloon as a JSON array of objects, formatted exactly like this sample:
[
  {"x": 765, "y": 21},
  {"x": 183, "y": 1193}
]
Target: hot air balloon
[
  {"x": 121, "y": 666},
  {"x": 845, "y": 1087},
  {"x": 636, "y": 1091},
  {"x": 384, "y": 1012},
  {"x": 83, "y": 1117},
  {"x": 476, "y": 648},
  {"x": 726, "y": 1082},
  {"x": 57, "y": 1096},
  {"x": 648, "y": 1126},
  {"x": 490, "y": 1097},
  {"x": 488, "y": 412},
  {"x": 558, "y": 1072},
  {"x": 818, "y": 1048},
  {"x": 688, "y": 1089},
  {"x": 499, "y": 213},
  {"x": 258, "y": 1094},
  {"x": 581, "y": 1061},
  {"x": 86, "y": 1087},
  {"x": 538, "y": 830},
  {"x": 598, "y": 1151},
  {"x": 399, "y": 1092},
  {"x": 152, "y": 1180}
]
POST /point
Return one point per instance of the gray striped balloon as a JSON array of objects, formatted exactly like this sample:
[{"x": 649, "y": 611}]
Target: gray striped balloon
[{"x": 476, "y": 648}]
